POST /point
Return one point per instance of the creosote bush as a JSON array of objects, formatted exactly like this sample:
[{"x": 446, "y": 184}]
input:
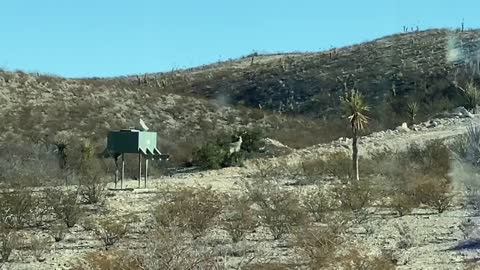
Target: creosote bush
[
  {"x": 435, "y": 193},
  {"x": 403, "y": 203},
  {"x": 20, "y": 208},
  {"x": 355, "y": 195},
  {"x": 280, "y": 211},
  {"x": 65, "y": 206},
  {"x": 9, "y": 241},
  {"x": 319, "y": 244},
  {"x": 192, "y": 210},
  {"x": 239, "y": 218},
  {"x": 173, "y": 249},
  {"x": 337, "y": 164},
  {"x": 110, "y": 231},
  {"x": 319, "y": 203},
  {"x": 39, "y": 246}
]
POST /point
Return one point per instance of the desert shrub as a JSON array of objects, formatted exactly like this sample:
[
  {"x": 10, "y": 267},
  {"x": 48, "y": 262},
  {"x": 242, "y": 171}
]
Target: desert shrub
[
  {"x": 109, "y": 260},
  {"x": 319, "y": 244},
  {"x": 433, "y": 192},
  {"x": 9, "y": 241},
  {"x": 403, "y": 203},
  {"x": 92, "y": 188},
  {"x": 357, "y": 260},
  {"x": 253, "y": 140},
  {"x": 239, "y": 218},
  {"x": 65, "y": 206},
  {"x": 38, "y": 246},
  {"x": 110, "y": 231},
  {"x": 191, "y": 210},
  {"x": 279, "y": 211},
  {"x": 216, "y": 154},
  {"x": 431, "y": 159},
  {"x": 58, "y": 231},
  {"x": 28, "y": 165},
  {"x": 318, "y": 203},
  {"x": 471, "y": 93},
  {"x": 406, "y": 239},
  {"x": 337, "y": 164},
  {"x": 210, "y": 156},
  {"x": 355, "y": 195},
  {"x": 467, "y": 226},
  {"x": 90, "y": 170},
  {"x": 172, "y": 249},
  {"x": 20, "y": 207}
]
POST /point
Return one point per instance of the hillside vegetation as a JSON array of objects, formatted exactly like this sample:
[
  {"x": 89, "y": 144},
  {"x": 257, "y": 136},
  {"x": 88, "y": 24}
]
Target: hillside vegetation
[{"x": 293, "y": 97}]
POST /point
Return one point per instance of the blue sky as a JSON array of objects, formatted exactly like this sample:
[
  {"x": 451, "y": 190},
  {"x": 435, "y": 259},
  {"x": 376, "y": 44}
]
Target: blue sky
[{"x": 118, "y": 37}]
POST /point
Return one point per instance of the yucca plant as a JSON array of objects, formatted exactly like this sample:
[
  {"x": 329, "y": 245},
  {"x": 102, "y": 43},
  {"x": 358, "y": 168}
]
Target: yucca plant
[
  {"x": 412, "y": 111},
  {"x": 471, "y": 94},
  {"x": 355, "y": 108}
]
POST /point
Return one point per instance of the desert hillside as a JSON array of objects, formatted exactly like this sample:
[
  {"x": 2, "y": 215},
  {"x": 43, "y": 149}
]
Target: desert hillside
[{"x": 392, "y": 71}]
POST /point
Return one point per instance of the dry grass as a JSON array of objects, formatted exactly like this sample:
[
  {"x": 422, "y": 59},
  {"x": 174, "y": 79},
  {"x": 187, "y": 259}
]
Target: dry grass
[{"x": 109, "y": 260}]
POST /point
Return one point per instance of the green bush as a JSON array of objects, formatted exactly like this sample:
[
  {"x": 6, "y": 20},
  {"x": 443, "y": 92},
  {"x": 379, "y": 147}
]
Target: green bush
[
  {"x": 210, "y": 156},
  {"x": 216, "y": 154},
  {"x": 253, "y": 140}
]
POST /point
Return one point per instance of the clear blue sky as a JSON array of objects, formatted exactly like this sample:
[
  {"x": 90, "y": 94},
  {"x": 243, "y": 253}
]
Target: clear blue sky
[{"x": 119, "y": 37}]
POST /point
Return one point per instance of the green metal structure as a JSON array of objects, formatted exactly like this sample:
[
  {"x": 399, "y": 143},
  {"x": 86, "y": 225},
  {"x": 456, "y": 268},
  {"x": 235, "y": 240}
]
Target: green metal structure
[{"x": 132, "y": 141}]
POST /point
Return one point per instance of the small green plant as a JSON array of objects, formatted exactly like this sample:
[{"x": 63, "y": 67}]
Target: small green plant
[
  {"x": 472, "y": 96},
  {"x": 412, "y": 111},
  {"x": 239, "y": 218},
  {"x": 191, "y": 210}
]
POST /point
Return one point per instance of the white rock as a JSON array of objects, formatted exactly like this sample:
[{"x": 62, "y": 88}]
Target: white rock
[
  {"x": 462, "y": 112},
  {"x": 403, "y": 128}
]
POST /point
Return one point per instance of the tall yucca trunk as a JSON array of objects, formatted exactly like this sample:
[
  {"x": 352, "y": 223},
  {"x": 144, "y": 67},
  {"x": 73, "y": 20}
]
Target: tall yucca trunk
[{"x": 355, "y": 173}]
